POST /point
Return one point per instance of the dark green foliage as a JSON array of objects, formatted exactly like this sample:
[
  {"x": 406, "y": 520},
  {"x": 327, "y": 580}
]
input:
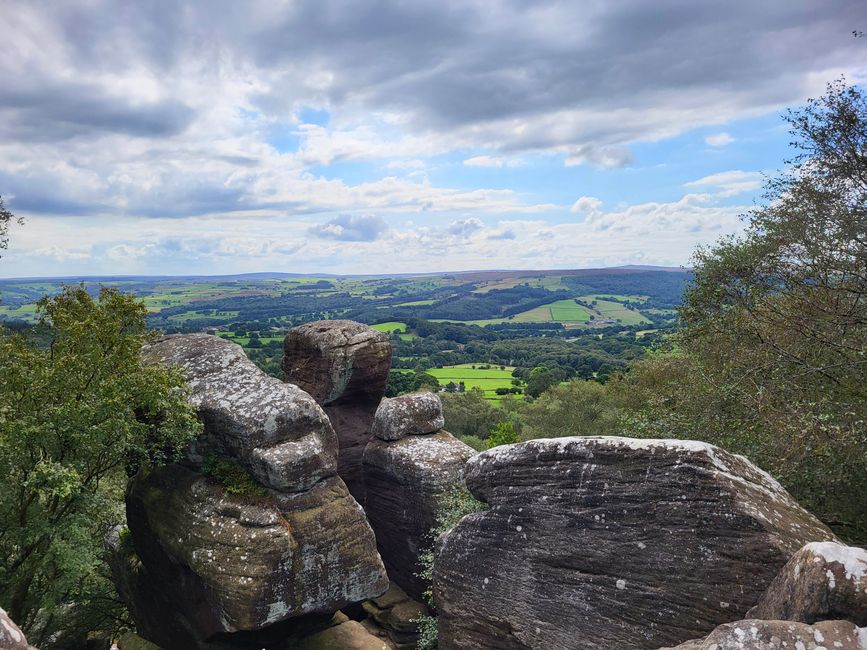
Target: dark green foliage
[
  {"x": 232, "y": 476},
  {"x": 76, "y": 412},
  {"x": 502, "y": 434}
]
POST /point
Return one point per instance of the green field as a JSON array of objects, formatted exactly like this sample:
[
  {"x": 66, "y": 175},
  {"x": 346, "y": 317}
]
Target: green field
[
  {"x": 488, "y": 380},
  {"x": 610, "y": 310},
  {"x": 390, "y": 326}
]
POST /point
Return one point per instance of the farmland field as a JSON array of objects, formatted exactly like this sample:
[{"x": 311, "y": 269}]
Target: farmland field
[
  {"x": 487, "y": 379},
  {"x": 390, "y": 326}
]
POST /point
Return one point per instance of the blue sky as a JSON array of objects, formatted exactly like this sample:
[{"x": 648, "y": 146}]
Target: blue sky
[{"x": 370, "y": 137}]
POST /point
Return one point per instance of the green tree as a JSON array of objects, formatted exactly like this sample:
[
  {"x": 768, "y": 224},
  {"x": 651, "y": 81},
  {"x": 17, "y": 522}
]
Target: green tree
[
  {"x": 470, "y": 414},
  {"x": 576, "y": 408},
  {"x": 774, "y": 335},
  {"x": 502, "y": 434},
  {"x": 77, "y": 412},
  {"x": 540, "y": 380},
  {"x": 6, "y": 218}
]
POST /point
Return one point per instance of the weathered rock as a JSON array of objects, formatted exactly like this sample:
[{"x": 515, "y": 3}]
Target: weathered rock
[
  {"x": 404, "y": 480},
  {"x": 606, "y": 542},
  {"x": 274, "y": 429},
  {"x": 11, "y": 636},
  {"x": 219, "y": 568},
  {"x": 233, "y": 562},
  {"x": 414, "y": 414},
  {"x": 395, "y": 616},
  {"x": 350, "y": 635},
  {"x": 344, "y": 365},
  {"x": 752, "y": 634},
  {"x": 823, "y": 581}
]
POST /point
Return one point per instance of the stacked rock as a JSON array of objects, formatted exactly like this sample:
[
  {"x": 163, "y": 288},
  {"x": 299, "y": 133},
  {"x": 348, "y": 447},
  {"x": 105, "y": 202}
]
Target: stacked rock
[
  {"x": 344, "y": 366},
  {"x": 410, "y": 463},
  {"x": 287, "y": 542}
]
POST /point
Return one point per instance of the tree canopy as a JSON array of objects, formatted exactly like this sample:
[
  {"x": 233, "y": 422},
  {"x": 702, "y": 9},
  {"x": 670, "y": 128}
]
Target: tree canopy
[{"x": 78, "y": 411}]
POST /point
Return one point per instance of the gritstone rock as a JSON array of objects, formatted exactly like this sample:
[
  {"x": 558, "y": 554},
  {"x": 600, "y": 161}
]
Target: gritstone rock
[{"x": 606, "y": 542}]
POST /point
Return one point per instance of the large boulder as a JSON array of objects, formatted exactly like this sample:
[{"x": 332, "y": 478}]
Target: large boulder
[
  {"x": 253, "y": 530},
  {"x": 11, "y": 636},
  {"x": 781, "y": 635},
  {"x": 414, "y": 414},
  {"x": 344, "y": 365},
  {"x": 276, "y": 430},
  {"x": 606, "y": 542},
  {"x": 822, "y": 581},
  {"x": 405, "y": 477}
]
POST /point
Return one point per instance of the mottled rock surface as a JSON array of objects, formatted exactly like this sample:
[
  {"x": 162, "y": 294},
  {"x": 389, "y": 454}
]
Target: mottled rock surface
[
  {"x": 606, "y": 542},
  {"x": 781, "y": 635},
  {"x": 214, "y": 568},
  {"x": 274, "y": 429},
  {"x": 11, "y": 636},
  {"x": 395, "y": 616},
  {"x": 404, "y": 480},
  {"x": 822, "y": 581},
  {"x": 414, "y": 414},
  {"x": 344, "y": 365}
]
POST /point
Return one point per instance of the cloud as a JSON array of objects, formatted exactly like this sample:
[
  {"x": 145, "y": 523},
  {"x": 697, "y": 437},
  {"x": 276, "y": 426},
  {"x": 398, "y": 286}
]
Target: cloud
[
  {"x": 719, "y": 139},
  {"x": 586, "y": 205},
  {"x": 493, "y": 161},
  {"x": 464, "y": 227},
  {"x": 603, "y": 157},
  {"x": 351, "y": 228},
  {"x": 503, "y": 234},
  {"x": 730, "y": 183}
]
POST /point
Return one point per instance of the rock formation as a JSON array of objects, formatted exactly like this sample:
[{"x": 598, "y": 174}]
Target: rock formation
[
  {"x": 822, "y": 581},
  {"x": 604, "y": 543},
  {"x": 394, "y": 616},
  {"x": 344, "y": 366},
  {"x": 213, "y": 561},
  {"x": 11, "y": 636},
  {"x": 781, "y": 635},
  {"x": 407, "y": 467}
]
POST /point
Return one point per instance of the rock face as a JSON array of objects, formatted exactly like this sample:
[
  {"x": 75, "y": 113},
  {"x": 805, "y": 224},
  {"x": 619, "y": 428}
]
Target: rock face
[
  {"x": 608, "y": 542},
  {"x": 414, "y": 414},
  {"x": 822, "y": 581},
  {"x": 11, "y": 636},
  {"x": 213, "y": 562},
  {"x": 344, "y": 365},
  {"x": 396, "y": 615},
  {"x": 405, "y": 476},
  {"x": 781, "y": 635}
]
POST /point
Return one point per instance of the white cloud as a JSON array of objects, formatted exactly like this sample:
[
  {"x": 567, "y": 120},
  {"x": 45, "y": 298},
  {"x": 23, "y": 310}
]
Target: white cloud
[
  {"x": 586, "y": 205},
  {"x": 719, "y": 139},
  {"x": 493, "y": 161},
  {"x": 730, "y": 183}
]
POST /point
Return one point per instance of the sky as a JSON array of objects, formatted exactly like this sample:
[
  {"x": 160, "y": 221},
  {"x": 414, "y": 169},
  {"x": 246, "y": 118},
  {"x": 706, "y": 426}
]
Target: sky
[{"x": 367, "y": 136}]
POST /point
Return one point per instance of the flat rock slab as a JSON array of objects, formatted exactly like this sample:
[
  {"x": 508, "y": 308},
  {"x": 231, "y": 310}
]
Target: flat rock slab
[
  {"x": 753, "y": 634},
  {"x": 413, "y": 414},
  {"x": 822, "y": 581},
  {"x": 606, "y": 542},
  {"x": 276, "y": 430},
  {"x": 404, "y": 480}
]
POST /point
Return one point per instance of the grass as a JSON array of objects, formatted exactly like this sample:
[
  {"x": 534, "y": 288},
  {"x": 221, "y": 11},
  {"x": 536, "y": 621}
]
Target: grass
[
  {"x": 488, "y": 380},
  {"x": 24, "y": 312},
  {"x": 610, "y": 310},
  {"x": 390, "y": 326}
]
